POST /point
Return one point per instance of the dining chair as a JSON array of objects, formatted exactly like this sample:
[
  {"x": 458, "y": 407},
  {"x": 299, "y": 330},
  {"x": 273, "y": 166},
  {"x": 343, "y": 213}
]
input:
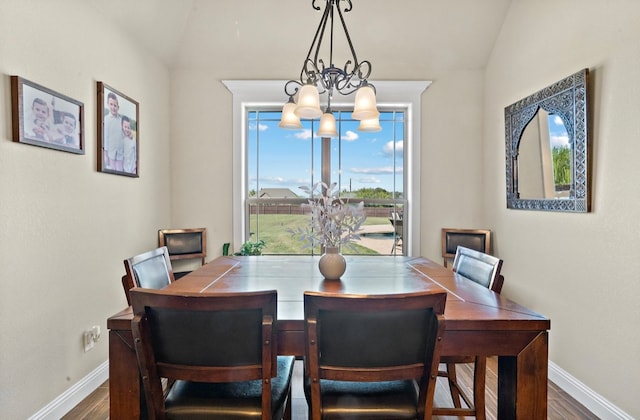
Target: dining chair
[
  {"x": 483, "y": 269},
  {"x": 372, "y": 356},
  {"x": 478, "y": 239},
  {"x": 397, "y": 223},
  {"x": 184, "y": 244},
  {"x": 151, "y": 270},
  {"x": 219, "y": 352}
]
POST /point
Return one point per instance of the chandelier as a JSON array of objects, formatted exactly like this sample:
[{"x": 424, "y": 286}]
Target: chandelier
[{"x": 318, "y": 77}]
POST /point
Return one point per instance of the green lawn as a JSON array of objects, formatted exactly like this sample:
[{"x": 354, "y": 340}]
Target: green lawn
[{"x": 273, "y": 229}]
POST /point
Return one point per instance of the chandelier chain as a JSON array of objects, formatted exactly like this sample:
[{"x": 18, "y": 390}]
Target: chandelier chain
[{"x": 329, "y": 78}]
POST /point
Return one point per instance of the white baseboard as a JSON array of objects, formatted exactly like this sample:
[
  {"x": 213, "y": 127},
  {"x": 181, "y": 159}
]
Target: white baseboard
[
  {"x": 66, "y": 401},
  {"x": 593, "y": 401}
]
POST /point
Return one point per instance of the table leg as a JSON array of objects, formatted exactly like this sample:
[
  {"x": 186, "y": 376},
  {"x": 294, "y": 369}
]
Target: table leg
[
  {"x": 522, "y": 381},
  {"x": 124, "y": 380}
]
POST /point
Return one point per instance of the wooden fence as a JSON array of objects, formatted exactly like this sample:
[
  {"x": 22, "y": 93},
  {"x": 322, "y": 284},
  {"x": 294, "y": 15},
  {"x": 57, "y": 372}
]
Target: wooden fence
[{"x": 292, "y": 209}]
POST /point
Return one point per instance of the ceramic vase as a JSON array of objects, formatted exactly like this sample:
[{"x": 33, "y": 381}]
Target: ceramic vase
[{"x": 332, "y": 264}]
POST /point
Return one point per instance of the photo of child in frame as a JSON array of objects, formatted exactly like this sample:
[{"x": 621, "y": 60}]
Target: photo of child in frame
[
  {"x": 45, "y": 118},
  {"x": 118, "y": 141}
]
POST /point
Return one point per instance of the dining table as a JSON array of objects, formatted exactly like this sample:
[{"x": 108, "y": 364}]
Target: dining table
[{"x": 478, "y": 321}]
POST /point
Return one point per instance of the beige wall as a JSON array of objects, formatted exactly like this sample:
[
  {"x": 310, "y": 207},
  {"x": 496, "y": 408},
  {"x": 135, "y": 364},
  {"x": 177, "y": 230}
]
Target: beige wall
[
  {"x": 581, "y": 270},
  {"x": 64, "y": 227},
  {"x": 452, "y": 157},
  {"x": 201, "y": 156},
  {"x": 61, "y": 245}
]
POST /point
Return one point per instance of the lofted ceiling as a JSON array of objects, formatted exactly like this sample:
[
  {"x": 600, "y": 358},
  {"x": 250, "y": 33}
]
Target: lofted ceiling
[{"x": 450, "y": 34}]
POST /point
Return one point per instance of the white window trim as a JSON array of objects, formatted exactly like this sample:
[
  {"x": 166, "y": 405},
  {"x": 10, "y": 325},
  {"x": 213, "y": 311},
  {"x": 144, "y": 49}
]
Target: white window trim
[{"x": 256, "y": 93}]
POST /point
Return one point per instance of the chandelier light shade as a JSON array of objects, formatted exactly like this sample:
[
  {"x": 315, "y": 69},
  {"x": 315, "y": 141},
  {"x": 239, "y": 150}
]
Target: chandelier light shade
[
  {"x": 289, "y": 118},
  {"x": 320, "y": 75},
  {"x": 327, "y": 125},
  {"x": 370, "y": 126},
  {"x": 308, "y": 105},
  {"x": 365, "y": 107}
]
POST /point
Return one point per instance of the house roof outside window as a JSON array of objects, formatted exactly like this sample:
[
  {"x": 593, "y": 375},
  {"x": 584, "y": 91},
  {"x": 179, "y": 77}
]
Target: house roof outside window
[{"x": 276, "y": 193}]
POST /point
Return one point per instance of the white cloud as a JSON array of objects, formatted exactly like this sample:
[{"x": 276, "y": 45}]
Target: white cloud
[
  {"x": 277, "y": 182},
  {"x": 349, "y": 136},
  {"x": 275, "y": 179},
  {"x": 557, "y": 120},
  {"x": 369, "y": 180},
  {"x": 559, "y": 141},
  {"x": 387, "y": 149},
  {"x": 303, "y": 134},
  {"x": 376, "y": 171},
  {"x": 261, "y": 127}
]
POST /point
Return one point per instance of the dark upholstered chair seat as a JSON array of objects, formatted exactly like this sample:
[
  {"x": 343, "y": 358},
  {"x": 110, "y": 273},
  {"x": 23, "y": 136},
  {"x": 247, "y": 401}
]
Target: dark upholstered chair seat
[
  {"x": 229, "y": 401},
  {"x": 368, "y": 400}
]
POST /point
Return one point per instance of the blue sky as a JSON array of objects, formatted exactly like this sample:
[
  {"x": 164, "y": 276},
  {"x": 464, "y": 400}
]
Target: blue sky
[
  {"x": 557, "y": 132},
  {"x": 358, "y": 159}
]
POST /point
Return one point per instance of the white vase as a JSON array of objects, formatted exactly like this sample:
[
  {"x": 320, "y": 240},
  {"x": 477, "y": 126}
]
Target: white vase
[{"x": 332, "y": 264}]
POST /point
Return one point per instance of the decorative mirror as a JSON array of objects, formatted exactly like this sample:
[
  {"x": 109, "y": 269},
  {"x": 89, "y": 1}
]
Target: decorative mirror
[{"x": 547, "y": 148}]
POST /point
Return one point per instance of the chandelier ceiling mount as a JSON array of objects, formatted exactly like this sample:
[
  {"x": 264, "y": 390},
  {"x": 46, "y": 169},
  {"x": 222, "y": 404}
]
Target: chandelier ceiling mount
[{"x": 317, "y": 78}]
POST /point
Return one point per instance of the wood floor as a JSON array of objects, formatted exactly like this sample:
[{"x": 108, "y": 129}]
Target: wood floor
[{"x": 560, "y": 405}]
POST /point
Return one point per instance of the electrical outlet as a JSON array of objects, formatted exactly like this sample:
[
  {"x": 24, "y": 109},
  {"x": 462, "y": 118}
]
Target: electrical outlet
[
  {"x": 96, "y": 333},
  {"x": 90, "y": 337},
  {"x": 88, "y": 340}
]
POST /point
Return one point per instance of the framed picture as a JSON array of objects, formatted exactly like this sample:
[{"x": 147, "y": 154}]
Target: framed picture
[
  {"x": 118, "y": 132},
  {"x": 45, "y": 118}
]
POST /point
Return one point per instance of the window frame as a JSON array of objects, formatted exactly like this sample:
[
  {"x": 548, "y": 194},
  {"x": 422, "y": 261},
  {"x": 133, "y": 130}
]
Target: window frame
[{"x": 248, "y": 94}]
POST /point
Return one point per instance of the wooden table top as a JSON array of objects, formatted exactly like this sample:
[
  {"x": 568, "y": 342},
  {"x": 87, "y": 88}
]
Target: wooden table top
[{"x": 469, "y": 305}]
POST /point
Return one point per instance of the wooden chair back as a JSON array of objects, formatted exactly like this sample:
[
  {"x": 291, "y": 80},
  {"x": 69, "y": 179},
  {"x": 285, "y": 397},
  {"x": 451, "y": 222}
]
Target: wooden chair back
[
  {"x": 212, "y": 338},
  {"x": 373, "y": 338},
  {"x": 485, "y": 270},
  {"x": 482, "y": 268},
  {"x": 398, "y": 228},
  {"x": 477, "y": 239},
  {"x": 150, "y": 270}
]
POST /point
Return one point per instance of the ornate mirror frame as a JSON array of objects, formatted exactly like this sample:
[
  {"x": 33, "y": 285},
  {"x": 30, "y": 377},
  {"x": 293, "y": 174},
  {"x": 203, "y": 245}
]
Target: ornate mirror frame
[{"x": 568, "y": 100}]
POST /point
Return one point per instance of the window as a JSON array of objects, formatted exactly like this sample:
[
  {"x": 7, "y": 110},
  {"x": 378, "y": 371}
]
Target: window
[
  {"x": 265, "y": 176},
  {"x": 365, "y": 166}
]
